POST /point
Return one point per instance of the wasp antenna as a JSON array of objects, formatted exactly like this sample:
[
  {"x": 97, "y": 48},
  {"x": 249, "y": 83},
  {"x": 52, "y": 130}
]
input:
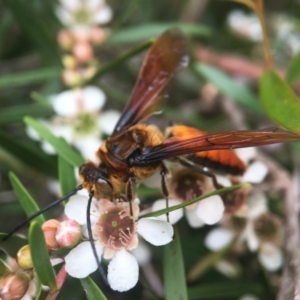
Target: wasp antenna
[
  {"x": 91, "y": 240},
  {"x": 52, "y": 204}
]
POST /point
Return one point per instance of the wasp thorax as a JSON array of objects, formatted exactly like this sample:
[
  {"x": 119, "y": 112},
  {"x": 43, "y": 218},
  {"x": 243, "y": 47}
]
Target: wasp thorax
[
  {"x": 116, "y": 228},
  {"x": 187, "y": 185}
]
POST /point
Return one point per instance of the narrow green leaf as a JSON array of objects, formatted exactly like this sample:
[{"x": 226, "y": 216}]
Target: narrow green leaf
[
  {"x": 3, "y": 268},
  {"x": 28, "y": 77},
  {"x": 221, "y": 290},
  {"x": 293, "y": 72},
  {"x": 174, "y": 275},
  {"x": 92, "y": 290},
  {"x": 279, "y": 101},
  {"x": 186, "y": 203},
  {"x": 12, "y": 245},
  {"x": 228, "y": 86},
  {"x": 29, "y": 155},
  {"x": 40, "y": 256},
  {"x": 66, "y": 176},
  {"x": 35, "y": 29},
  {"x": 150, "y": 30},
  {"x": 17, "y": 113},
  {"x": 207, "y": 262},
  {"x": 60, "y": 145},
  {"x": 25, "y": 199}
]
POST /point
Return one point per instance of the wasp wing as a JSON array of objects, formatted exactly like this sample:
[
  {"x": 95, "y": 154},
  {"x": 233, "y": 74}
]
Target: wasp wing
[
  {"x": 222, "y": 161},
  {"x": 179, "y": 146},
  {"x": 167, "y": 55}
]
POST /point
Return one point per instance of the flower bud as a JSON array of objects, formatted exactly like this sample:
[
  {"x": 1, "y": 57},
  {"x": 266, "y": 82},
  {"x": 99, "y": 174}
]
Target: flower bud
[
  {"x": 13, "y": 286},
  {"x": 24, "y": 258},
  {"x": 68, "y": 233},
  {"x": 49, "y": 228},
  {"x": 97, "y": 35},
  {"x": 69, "y": 62},
  {"x": 83, "y": 52},
  {"x": 71, "y": 78},
  {"x": 65, "y": 39}
]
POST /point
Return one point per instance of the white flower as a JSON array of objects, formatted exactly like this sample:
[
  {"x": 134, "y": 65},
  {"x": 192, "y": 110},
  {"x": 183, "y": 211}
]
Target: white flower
[
  {"x": 114, "y": 232},
  {"x": 79, "y": 120},
  {"x": 184, "y": 185},
  {"x": 261, "y": 232},
  {"x": 78, "y": 14},
  {"x": 245, "y": 25}
]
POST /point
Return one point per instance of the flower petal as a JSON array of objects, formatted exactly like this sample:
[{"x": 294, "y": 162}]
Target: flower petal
[
  {"x": 154, "y": 231},
  {"x": 93, "y": 98},
  {"x": 270, "y": 257},
  {"x": 251, "y": 238},
  {"x": 88, "y": 146},
  {"x": 123, "y": 271},
  {"x": 80, "y": 262},
  {"x": 211, "y": 209},
  {"x": 174, "y": 216},
  {"x": 218, "y": 238},
  {"x": 103, "y": 15},
  {"x": 246, "y": 154},
  {"x": 75, "y": 209},
  {"x": 257, "y": 204},
  {"x": 192, "y": 218},
  {"x": 249, "y": 297},
  {"x": 255, "y": 173},
  {"x": 142, "y": 253},
  {"x": 107, "y": 121},
  {"x": 65, "y": 103}
]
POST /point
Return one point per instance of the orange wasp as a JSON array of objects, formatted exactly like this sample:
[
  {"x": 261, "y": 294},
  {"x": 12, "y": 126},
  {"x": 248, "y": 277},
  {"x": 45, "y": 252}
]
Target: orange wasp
[{"x": 135, "y": 151}]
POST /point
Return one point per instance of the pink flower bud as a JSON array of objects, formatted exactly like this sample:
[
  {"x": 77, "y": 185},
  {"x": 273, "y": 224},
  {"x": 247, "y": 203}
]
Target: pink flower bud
[
  {"x": 83, "y": 52},
  {"x": 71, "y": 78},
  {"x": 49, "y": 228},
  {"x": 24, "y": 258},
  {"x": 97, "y": 35},
  {"x": 68, "y": 233},
  {"x": 13, "y": 286},
  {"x": 65, "y": 39}
]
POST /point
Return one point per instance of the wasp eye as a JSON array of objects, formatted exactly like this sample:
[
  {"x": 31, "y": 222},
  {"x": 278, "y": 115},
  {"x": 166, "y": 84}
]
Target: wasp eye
[{"x": 101, "y": 181}]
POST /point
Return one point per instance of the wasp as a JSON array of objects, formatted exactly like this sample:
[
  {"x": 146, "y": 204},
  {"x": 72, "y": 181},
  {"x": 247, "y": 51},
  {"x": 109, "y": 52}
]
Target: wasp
[{"x": 135, "y": 150}]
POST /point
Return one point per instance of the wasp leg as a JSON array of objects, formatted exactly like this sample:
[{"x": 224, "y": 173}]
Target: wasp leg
[
  {"x": 201, "y": 171},
  {"x": 164, "y": 187},
  {"x": 130, "y": 193}
]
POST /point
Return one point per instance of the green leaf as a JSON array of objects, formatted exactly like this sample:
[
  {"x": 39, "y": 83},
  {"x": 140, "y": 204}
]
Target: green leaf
[
  {"x": 17, "y": 113},
  {"x": 228, "y": 86},
  {"x": 92, "y": 290},
  {"x": 60, "y": 145},
  {"x": 25, "y": 199},
  {"x": 35, "y": 30},
  {"x": 174, "y": 275},
  {"x": 66, "y": 176},
  {"x": 12, "y": 245},
  {"x": 29, "y": 155},
  {"x": 279, "y": 101},
  {"x": 186, "y": 203},
  {"x": 27, "y": 77},
  {"x": 208, "y": 261},
  {"x": 40, "y": 256},
  {"x": 3, "y": 268},
  {"x": 222, "y": 290},
  {"x": 293, "y": 72},
  {"x": 150, "y": 30}
]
